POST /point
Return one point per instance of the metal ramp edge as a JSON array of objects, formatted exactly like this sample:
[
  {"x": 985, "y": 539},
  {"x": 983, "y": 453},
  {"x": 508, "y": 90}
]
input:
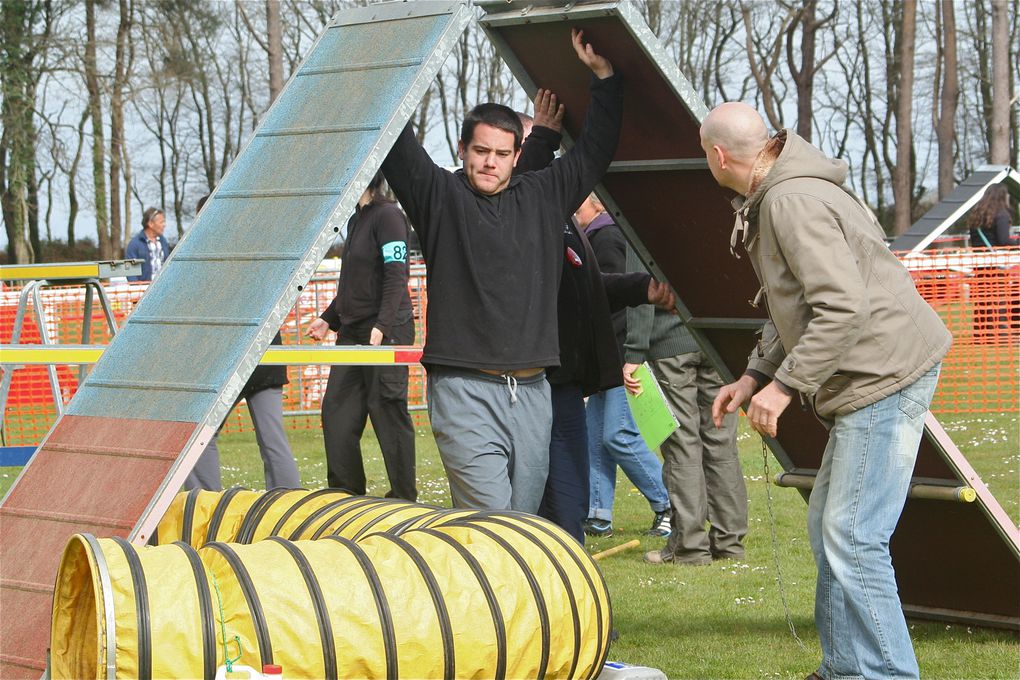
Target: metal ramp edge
[
  {"x": 679, "y": 220},
  {"x": 112, "y": 463}
]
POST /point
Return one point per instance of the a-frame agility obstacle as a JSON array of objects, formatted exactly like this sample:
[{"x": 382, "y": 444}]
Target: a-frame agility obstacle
[{"x": 113, "y": 462}]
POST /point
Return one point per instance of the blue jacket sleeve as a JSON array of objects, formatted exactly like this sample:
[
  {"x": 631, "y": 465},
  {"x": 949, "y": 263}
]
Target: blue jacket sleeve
[{"x": 133, "y": 252}]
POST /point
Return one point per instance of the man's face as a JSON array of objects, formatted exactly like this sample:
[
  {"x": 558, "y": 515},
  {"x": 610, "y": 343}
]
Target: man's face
[
  {"x": 489, "y": 159},
  {"x": 157, "y": 224}
]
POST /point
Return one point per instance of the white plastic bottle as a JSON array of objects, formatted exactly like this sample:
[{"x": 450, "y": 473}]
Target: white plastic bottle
[{"x": 614, "y": 670}]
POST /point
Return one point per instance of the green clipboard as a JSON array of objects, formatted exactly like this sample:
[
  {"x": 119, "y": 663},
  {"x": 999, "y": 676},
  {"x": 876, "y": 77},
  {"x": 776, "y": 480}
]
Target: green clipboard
[{"x": 654, "y": 418}]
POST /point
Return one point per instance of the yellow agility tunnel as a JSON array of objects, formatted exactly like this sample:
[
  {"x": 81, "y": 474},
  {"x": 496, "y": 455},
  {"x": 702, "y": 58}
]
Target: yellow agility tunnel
[
  {"x": 242, "y": 516},
  {"x": 474, "y": 595}
]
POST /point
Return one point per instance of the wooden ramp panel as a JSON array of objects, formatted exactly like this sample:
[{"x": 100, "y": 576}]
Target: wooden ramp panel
[
  {"x": 958, "y": 561},
  {"x": 111, "y": 465}
]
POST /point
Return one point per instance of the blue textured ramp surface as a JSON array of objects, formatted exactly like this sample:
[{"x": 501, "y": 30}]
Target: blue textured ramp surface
[{"x": 198, "y": 332}]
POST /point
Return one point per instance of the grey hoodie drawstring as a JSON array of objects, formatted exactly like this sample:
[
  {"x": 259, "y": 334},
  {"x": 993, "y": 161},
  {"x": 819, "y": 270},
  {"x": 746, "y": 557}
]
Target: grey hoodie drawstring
[{"x": 511, "y": 384}]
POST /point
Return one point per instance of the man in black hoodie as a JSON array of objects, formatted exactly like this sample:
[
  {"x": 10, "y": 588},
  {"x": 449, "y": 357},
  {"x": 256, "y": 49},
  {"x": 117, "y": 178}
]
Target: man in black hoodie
[
  {"x": 492, "y": 243},
  {"x": 589, "y": 355}
]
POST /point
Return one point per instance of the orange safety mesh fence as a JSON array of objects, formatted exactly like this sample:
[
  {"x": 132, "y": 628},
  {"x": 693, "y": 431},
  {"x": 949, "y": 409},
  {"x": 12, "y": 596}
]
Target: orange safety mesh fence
[
  {"x": 30, "y": 411},
  {"x": 975, "y": 291}
]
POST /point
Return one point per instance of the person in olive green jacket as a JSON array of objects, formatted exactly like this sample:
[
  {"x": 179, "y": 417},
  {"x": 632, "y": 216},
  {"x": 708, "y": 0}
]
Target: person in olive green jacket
[{"x": 850, "y": 335}]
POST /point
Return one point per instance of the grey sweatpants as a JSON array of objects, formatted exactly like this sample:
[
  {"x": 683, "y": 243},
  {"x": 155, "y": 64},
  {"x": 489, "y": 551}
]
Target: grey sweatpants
[
  {"x": 266, "y": 410},
  {"x": 700, "y": 468},
  {"x": 493, "y": 437}
]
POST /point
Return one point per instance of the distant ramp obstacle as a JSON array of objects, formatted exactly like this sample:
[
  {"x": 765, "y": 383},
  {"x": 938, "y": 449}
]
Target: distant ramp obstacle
[{"x": 112, "y": 463}]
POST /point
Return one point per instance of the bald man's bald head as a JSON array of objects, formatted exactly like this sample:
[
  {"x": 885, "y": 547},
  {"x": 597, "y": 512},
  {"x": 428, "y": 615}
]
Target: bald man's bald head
[{"x": 736, "y": 128}]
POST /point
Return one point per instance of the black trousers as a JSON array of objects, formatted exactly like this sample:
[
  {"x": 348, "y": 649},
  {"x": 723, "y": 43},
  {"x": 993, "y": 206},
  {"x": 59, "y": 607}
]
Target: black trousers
[
  {"x": 356, "y": 393},
  {"x": 565, "y": 502}
]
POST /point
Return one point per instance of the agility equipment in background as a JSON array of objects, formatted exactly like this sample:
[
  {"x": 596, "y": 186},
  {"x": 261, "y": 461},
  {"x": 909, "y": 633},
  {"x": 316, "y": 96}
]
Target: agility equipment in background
[
  {"x": 493, "y": 595},
  {"x": 943, "y": 215}
]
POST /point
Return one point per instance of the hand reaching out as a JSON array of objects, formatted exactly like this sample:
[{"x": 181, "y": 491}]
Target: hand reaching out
[
  {"x": 660, "y": 295},
  {"x": 548, "y": 110},
  {"x": 731, "y": 397},
  {"x": 598, "y": 64},
  {"x": 766, "y": 407},
  {"x": 318, "y": 329}
]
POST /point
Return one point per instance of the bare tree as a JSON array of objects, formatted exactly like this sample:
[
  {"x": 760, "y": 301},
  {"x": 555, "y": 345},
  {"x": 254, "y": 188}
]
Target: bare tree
[
  {"x": 95, "y": 103},
  {"x": 805, "y": 19},
  {"x": 764, "y": 45},
  {"x": 17, "y": 141},
  {"x": 1014, "y": 109},
  {"x": 120, "y": 73},
  {"x": 947, "y": 87},
  {"x": 903, "y": 174},
  {"x": 72, "y": 174},
  {"x": 26, "y": 42},
  {"x": 700, "y": 34},
  {"x": 274, "y": 43},
  {"x": 999, "y": 123}
]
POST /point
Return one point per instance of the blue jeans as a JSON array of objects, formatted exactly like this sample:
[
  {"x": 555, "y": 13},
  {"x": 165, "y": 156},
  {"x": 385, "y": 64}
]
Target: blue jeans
[
  {"x": 853, "y": 510},
  {"x": 613, "y": 439}
]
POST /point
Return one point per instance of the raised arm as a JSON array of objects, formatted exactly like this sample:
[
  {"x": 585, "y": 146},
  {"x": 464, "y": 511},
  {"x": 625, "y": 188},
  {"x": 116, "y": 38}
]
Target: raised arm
[
  {"x": 540, "y": 145},
  {"x": 414, "y": 178},
  {"x": 598, "y": 64},
  {"x": 574, "y": 175}
]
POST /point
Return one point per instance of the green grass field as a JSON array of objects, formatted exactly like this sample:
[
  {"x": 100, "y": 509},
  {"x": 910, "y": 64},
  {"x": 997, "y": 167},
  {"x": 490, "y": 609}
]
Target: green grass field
[{"x": 726, "y": 620}]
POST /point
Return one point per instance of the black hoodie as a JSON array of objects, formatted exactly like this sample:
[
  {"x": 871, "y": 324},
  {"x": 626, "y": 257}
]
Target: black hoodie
[{"x": 494, "y": 262}]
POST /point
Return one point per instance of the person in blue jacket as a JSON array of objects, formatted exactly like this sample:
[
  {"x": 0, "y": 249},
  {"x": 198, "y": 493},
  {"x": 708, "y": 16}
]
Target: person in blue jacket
[{"x": 149, "y": 245}]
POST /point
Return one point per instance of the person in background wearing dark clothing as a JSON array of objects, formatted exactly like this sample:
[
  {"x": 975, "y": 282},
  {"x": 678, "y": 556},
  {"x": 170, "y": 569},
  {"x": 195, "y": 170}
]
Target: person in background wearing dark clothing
[
  {"x": 264, "y": 395},
  {"x": 990, "y": 219},
  {"x": 372, "y": 307},
  {"x": 149, "y": 245},
  {"x": 588, "y": 351},
  {"x": 613, "y": 436},
  {"x": 493, "y": 245},
  {"x": 700, "y": 463},
  {"x": 990, "y": 223}
]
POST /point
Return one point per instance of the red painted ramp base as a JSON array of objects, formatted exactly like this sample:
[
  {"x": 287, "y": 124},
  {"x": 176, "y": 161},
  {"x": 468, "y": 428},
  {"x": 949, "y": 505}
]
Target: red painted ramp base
[{"x": 94, "y": 475}]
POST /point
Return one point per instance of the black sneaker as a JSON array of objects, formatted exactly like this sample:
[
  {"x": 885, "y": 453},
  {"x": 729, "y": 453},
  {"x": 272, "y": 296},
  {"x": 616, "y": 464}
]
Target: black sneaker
[
  {"x": 660, "y": 525},
  {"x": 602, "y": 528}
]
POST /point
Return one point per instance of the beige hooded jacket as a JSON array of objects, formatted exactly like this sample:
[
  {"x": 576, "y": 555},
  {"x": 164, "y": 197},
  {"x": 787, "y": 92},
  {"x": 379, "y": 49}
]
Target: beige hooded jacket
[{"x": 848, "y": 327}]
